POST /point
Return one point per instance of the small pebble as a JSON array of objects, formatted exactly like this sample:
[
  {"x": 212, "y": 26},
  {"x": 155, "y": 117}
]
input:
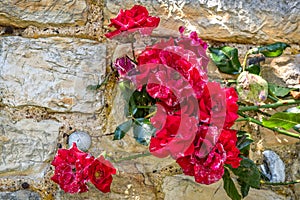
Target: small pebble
[{"x": 82, "y": 140}]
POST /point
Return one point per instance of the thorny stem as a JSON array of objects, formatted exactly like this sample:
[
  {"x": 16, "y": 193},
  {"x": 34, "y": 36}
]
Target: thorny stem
[
  {"x": 150, "y": 115},
  {"x": 282, "y": 183},
  {"x": 273, "y": 105},
  {"x": 273, "y": 98},
  {"x": 143, "y": 106},
  {"x": 284, "y": 132}
]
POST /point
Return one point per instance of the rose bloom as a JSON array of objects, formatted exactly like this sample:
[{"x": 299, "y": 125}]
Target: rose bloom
[
  {"x": 137, "y": 18},
  {"x": 174, "y": 137},
  {"x": 228, "y": 139},
  {"x": 177, "y": 58},
  {"x": 124, "y": 65},
  {"x": 212, "y": 105},
  {"x": 71, "y": 169},
  {"x": 212, "y": 149},
  {"x": 231, "y": 107},
  {"x": 100, "y": 174},
  {"x": 217, "y": 106}
]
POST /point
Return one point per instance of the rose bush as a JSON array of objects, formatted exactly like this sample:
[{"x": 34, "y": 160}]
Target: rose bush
[
  {"x": 176, "y": 110},
  {"x": 196, "y": 113}
]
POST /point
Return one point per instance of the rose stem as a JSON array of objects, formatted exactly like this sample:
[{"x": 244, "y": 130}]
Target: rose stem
[
  {"x": 282, "y": 183},
  {"x": 284, "y": 132},
  {"x": 273, "y": 105}
]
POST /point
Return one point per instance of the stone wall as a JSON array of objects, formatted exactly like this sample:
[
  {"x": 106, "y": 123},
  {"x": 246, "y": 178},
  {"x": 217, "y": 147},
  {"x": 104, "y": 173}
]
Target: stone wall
[{"x": 52, "y": 51}]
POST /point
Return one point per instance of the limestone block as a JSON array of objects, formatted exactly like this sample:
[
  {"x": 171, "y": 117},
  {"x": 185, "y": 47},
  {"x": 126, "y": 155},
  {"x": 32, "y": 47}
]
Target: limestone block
[
  {"x": 20, "y": 195},
  {"x": 223, "y": 20},
  {"x": 184, "y": 187},
  {"x": 24, "y": 13},
  {"x": 52, "y": 73},
  {"x": 27, "y": 146}
]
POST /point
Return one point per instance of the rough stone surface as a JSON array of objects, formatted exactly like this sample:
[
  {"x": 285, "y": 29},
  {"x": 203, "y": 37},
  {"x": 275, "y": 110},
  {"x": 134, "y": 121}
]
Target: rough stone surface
[
  {"x": 52, "y": 73},
  {"x": 23, "y": 13},
  {"x": 223, "y": 20},
  {"x": 26, "y": 146},
  {"x": 43, "y": 87},
  {"x": 20, "y": 195},
  {"x": 183, "y": 187},
  {"x": 287, "y": 68}
]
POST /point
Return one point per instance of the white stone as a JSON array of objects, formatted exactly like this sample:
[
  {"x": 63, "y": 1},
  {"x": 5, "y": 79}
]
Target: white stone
[
  {"x": 83, "y": 140},
  {"x": 26, "y": 146},
  {"x": 52, "y": 73}
]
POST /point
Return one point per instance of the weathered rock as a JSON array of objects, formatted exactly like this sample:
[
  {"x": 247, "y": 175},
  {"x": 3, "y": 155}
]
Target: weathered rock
[
  {"x": 52, "y": 73},
  {"x": 26, "y": 146},
  {"x": 288, "y": 69},
  {"x": 223, "y": 20},
  {"x": 184, "y": 187},
  {"x": 273, "y": 167},
  {"x": 20, "y": 195},
  {"x": 24, "y": 13}
]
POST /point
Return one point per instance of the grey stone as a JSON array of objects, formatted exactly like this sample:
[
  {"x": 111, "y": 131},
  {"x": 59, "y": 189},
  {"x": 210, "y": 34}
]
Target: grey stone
[
  {"x": 273, "y": 167},
  {"x": 20, "y": 195},
  {"x": 82, "y": 139},
  {"x": 26, "y": 146},
  {"x": 52, "y": 73},
  {"x": 24, "y": 13},
  {"x": 223, "y": 20}
]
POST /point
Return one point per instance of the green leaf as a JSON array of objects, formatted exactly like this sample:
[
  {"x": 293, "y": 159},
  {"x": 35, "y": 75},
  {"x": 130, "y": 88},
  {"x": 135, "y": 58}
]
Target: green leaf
[
  {"x": 244, "y": 141},
  {"x": 132, "y": 106},
  {"x": 229, "y": 186},
  {"x": 122, "y": 129},
  {"x": 283, "y": 120},
  {"x": 278, "y": 91},
  {"x": 226, "y": 59},
  {"x": 295, "y": 110},
  {"x": 273, "y": 50},
  {"x": 244, "y": 189},
  {"x": 143, "y": 131},
  {"x": 253, "y": 69},
  {"x": 248, "y": 172}
]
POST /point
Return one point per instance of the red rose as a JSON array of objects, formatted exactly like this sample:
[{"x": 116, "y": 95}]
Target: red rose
[
  {"x": 231, "y": 107},
  {"x": 196, "y": 45},
  {"x": 228, "y": 139},
  {"x": 137, "y": 18},
  {"x": 211, "y": 151},
  {"x": 212, "y": 105},
  {"x": 71, "y": 169},
  {"x": 100, "y": 174},
  {"x": 124, "y": 65},
  {"x": 174, "y": 137},
  {"x": 206, "y": 170}
]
